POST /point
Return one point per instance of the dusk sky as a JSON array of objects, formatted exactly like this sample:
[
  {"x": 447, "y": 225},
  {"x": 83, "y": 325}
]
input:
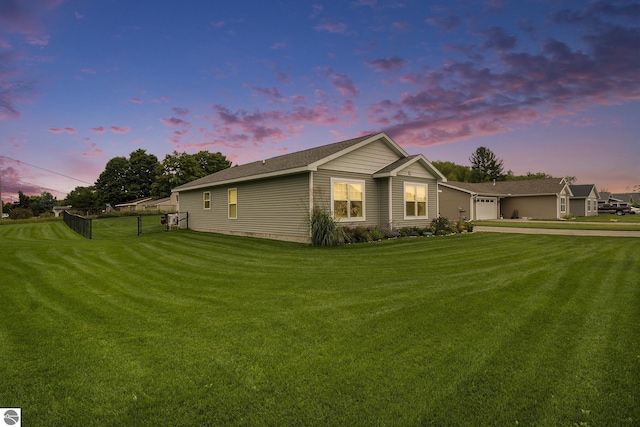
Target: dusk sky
[{"x": 549, "y": 86}]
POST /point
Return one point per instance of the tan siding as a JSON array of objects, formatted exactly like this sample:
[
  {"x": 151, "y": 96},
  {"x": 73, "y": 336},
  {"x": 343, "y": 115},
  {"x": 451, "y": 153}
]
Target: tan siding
[
  {"x": 416, "y": 171},
  {"x": 398, "y": 201},
  {"x": 451, "y": 201},
  {"x": 540, "y": 207},
  {"x": 322, "y": 194},
  {"x": 383, "y": 200},
  {"x": 274, "y": 208},
  {"x": 366, "y": 160}
]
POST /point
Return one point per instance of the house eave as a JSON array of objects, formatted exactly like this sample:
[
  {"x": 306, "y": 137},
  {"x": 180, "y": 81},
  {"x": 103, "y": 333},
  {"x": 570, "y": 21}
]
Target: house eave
[{"x": 275, "y": 174}]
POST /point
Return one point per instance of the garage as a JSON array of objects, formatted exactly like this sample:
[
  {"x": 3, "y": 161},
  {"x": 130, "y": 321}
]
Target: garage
[{"x": 486, "y": 208}]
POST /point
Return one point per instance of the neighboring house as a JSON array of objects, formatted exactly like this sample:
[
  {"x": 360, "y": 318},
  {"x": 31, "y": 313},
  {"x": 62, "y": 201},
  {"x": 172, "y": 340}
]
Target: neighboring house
[
  {"x": 57, "y": 210},
  {"x": 584, "y": 201},
  {"x": 167, "y": 204},
  {"x": 531, "y": 198},
  {"x": 627, "y": 199},
  {"x": 607, "y": 198},
  {"x": 366, "y": 181},
  {"x": 133, "y": 205}
]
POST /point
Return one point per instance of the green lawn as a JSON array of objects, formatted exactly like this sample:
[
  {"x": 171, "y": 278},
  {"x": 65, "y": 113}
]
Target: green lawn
[{"x": 184, "y": 328}]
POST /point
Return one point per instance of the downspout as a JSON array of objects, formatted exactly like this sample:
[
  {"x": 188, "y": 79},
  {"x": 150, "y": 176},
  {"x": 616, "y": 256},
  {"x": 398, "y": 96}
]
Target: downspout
[
  {"x": 310, "y": 198},
  {"x": 390, "y": 204}
]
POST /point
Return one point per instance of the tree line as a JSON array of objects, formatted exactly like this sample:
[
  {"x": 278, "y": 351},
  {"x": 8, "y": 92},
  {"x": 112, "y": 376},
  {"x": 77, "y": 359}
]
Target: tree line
[
  {"x": 485, "y": 167},
  {"x": 124, "y": 179}
]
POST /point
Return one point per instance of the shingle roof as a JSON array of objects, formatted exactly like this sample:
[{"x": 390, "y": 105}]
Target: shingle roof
[
  {"x": 582, "y": 190},
  {"x": 525, "y": 187},
  {"x": 287, "y": 163}
]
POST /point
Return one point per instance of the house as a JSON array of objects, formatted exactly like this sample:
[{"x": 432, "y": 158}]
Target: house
[
  {"x": 166, "y": 204},
  {"x": 607, "y": 198},
  {"x": 533, "y": 198},
  {"x": 133, "y": 205},
  {"x": 367, "y": 181},
  {"x": 584, "y": 201}
]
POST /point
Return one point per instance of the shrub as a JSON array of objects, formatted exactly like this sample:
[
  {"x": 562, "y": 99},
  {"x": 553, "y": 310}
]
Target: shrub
[
  {"x": 377, "y": 234},
  {"x": 20, "y": 213},
  {"x": 442, "y": 226},
  {"x": 325, "y": 230},
  {"x": 358, "y": 234},
  {"x": 410, "y": 231}
]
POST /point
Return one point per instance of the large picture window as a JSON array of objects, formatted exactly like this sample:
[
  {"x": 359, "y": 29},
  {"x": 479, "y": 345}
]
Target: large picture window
[
  {"x": 347, "y": 198},
  {"x": 206, "y": 200},
  {"x": 415, "y": 200},
  {"x": 233, "y": 203}
]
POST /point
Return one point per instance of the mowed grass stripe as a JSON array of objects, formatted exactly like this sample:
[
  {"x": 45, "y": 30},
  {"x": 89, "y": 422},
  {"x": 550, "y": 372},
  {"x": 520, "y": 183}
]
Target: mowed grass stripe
[{"x": 191, "y": 328}]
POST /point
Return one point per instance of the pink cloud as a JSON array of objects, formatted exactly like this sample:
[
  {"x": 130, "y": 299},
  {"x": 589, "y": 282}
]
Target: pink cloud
[
  {"x": 78, "y": 15},
  {"x": 88, "y": 71},
  {"x": 120, "y": 130},
  {"x": 98, "y": 130},
  {"x": 93, "y": 151},
  {"x": 173, "y": 121},
  {"x": 344, "y": 84},
  {"x": 63, "y": 130},
  {"x": 137, "y": 101},
  {"x": 39, "y": 40},
  {"x": 180, "y": 111},
  {"x": 386, "y": 65}
]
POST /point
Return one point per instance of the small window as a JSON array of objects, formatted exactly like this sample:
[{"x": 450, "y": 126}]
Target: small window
[
  {"x": 348, "y": 200},
  {"x": 415, "y": 200},
  {"x": 563, "y": 204},
  {"x": 233, "y": 203},
  {"x": 206, "y": 200}
]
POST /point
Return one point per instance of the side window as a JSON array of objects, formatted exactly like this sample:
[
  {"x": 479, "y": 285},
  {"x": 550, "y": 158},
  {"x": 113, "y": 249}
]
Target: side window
[
  {"x": 233, "y": 203},
  {"x": 347, "y": 199},
  {"x": 206, "y": 200},
  {"x": 415, "y": 200}
]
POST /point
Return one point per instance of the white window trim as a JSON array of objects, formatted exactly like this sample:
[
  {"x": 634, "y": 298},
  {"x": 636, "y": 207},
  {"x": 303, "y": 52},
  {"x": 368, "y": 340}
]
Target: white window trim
[
  {"x": 563, "y": 204},
  {"x": 229, "y": 203},
  {"x": 203, "y": 200},
  {"x": 364, "y": 198},
  {"x": 404, "y": 200}
]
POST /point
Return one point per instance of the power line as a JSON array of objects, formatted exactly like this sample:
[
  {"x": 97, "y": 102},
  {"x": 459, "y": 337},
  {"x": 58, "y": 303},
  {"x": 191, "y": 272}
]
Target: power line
[{"x": 47, "y": 170}]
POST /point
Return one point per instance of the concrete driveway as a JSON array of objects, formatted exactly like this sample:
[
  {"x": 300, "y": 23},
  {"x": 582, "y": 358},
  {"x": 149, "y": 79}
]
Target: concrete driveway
[{"x": 564, "y": 232}]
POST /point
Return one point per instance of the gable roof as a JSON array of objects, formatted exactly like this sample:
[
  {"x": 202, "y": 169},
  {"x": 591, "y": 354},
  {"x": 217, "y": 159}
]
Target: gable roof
[
  {"x": 527, "y": 187},
  {"x": 134, "y": 202},
  {"x": 583, "y": 190},
  {"x": 292, "y": 163},
  {"x": 400, "y": 164}
]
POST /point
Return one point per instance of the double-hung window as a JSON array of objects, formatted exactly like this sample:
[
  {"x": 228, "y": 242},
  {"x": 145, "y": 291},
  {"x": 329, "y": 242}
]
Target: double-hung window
[
  {"x": 563, "y": 204},
  {"x": 415, "y": 200},
  {"x": 233, "y": 203},
  {"x": 347, "y": 197},
  {"x": 206, "y": 200}
]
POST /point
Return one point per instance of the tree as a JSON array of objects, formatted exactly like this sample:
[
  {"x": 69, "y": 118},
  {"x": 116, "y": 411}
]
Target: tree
[
  {"x": 143, "y": 169},
  {"x": 452, "y": 171},
  {"x": 47, "y": 202},
  {"x": 112, "y": 184},
  {"x": 485, "y": 166},
  {"x": 537, "y": 175},
  {"x": 179, "y": 168},
  {"x": 83, "y": 198}
]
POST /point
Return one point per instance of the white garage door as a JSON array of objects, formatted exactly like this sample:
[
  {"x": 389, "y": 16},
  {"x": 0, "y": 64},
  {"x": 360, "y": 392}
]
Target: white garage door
[{"x": 486, "y": 208}]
